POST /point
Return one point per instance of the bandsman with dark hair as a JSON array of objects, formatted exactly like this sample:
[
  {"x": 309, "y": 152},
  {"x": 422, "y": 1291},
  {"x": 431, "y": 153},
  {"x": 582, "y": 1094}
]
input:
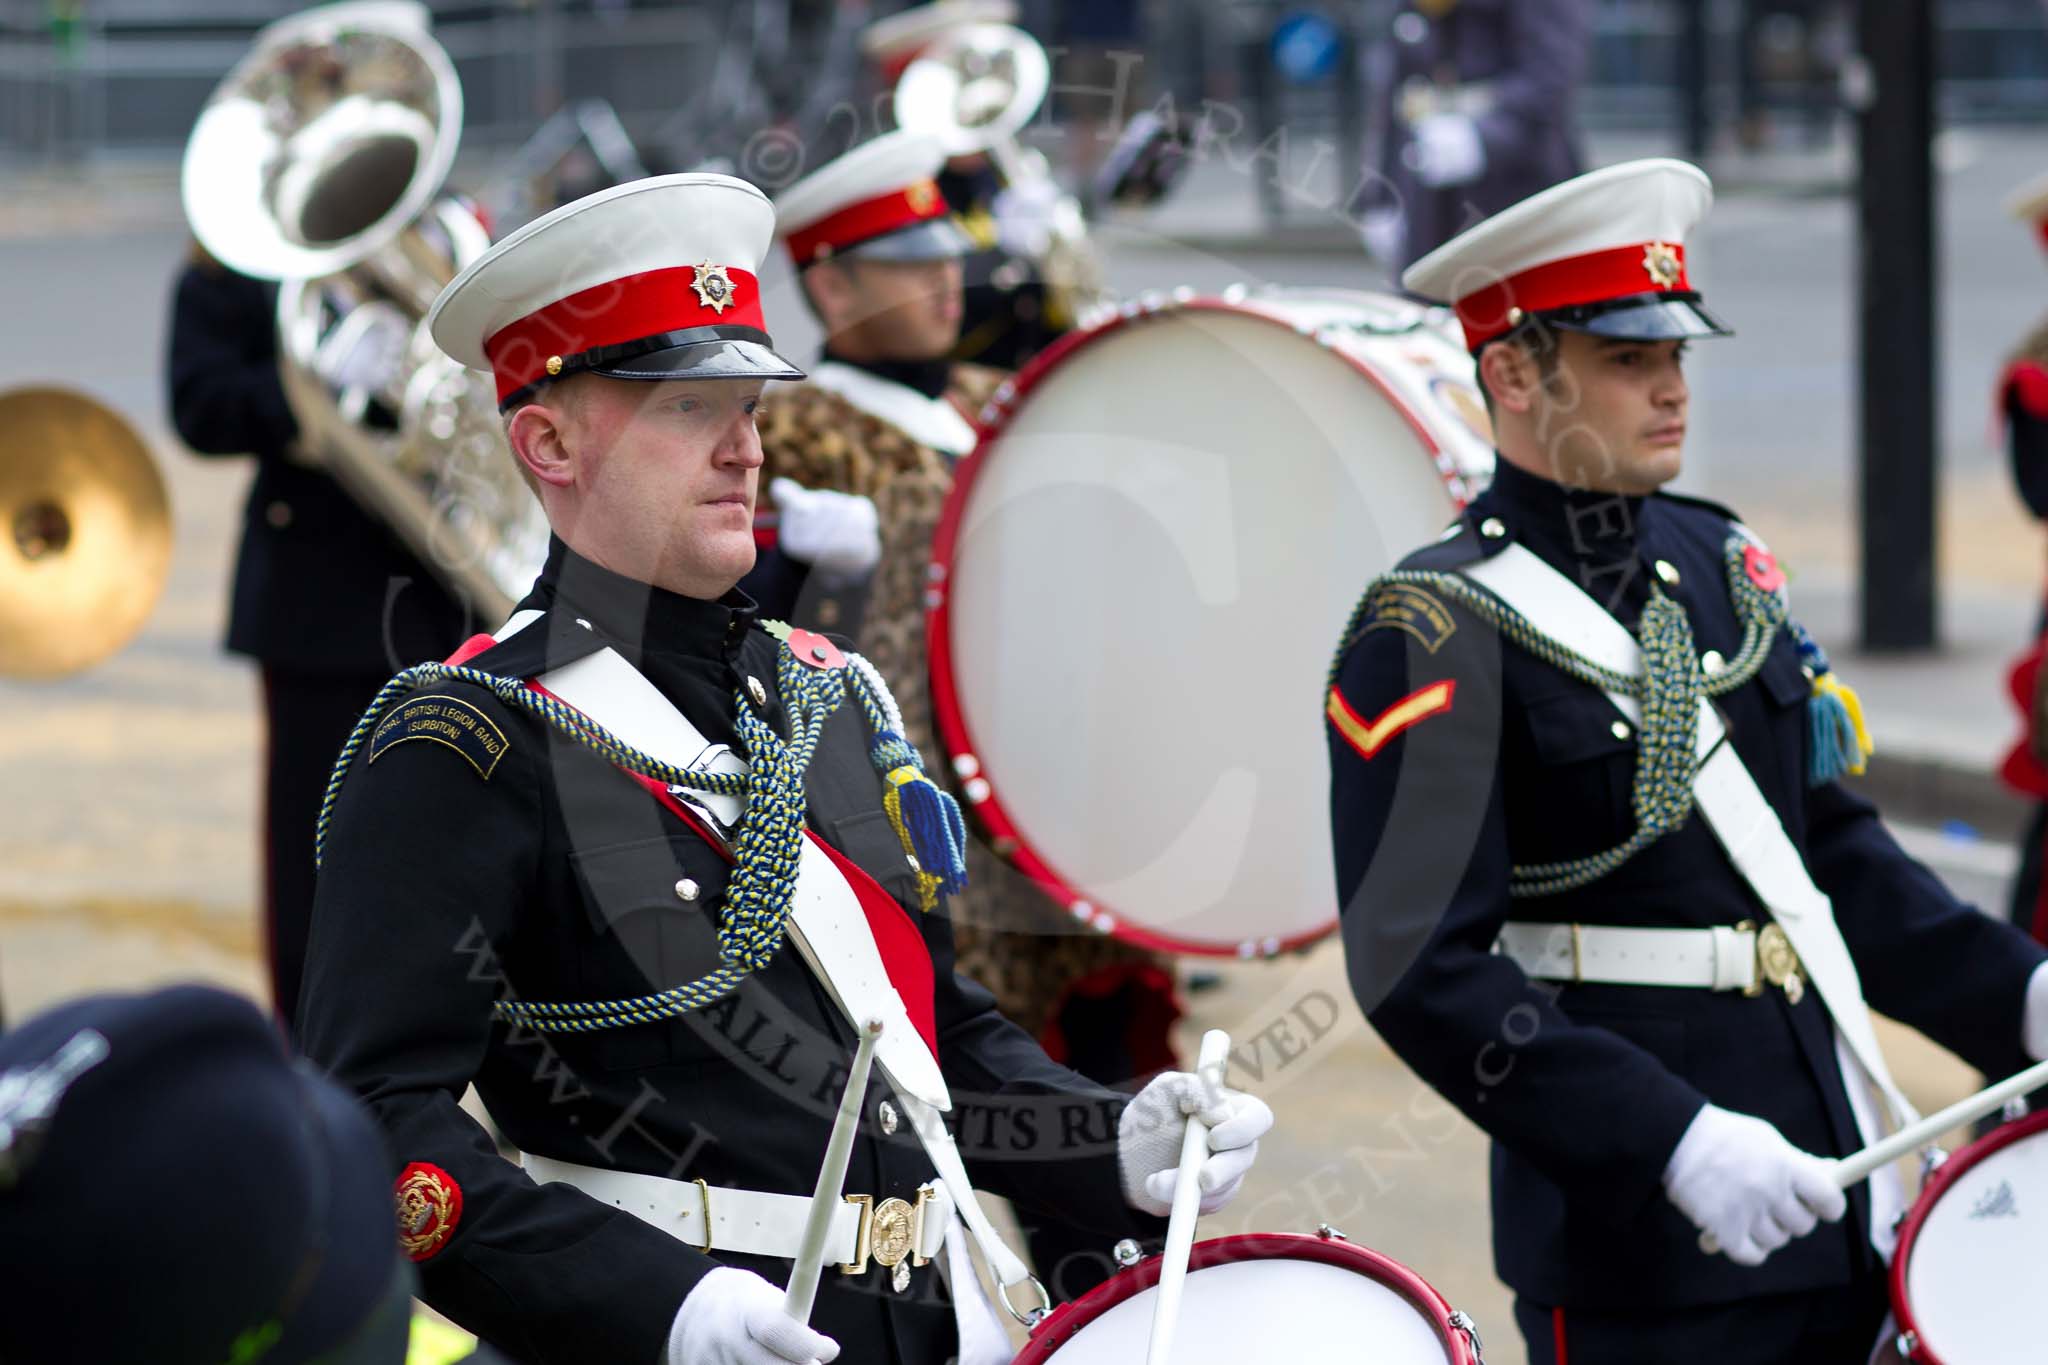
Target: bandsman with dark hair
[{"x": 1605, "y": 885}]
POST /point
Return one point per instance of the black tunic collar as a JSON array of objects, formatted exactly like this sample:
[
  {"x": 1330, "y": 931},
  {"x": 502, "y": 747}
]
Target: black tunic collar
[
  {"x": 928, "y": 377},
  {"x": 638, "y": 618},
  {"x": 1594, "y": 537}
]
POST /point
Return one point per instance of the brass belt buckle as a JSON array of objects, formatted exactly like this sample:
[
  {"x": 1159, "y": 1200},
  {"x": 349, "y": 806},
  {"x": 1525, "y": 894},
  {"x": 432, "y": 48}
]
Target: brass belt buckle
[
  {"x": 890, "y": 1233},
  {"x": 1777, "y": 963}
]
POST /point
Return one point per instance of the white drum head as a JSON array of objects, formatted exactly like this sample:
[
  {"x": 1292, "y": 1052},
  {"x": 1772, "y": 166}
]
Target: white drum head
[
  {"x": 1972, "y": 1265},
  {"x": 1228, "y": 1316},
  {"x": 1150, "y": 562},
  {"x": 1265, "y": 1297}
]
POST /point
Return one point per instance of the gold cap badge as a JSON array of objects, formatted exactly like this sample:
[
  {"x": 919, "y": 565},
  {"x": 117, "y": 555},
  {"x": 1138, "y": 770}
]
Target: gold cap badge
[
  {"x": 1660, "y": 263},
  {"x": 713, "y": 286}
]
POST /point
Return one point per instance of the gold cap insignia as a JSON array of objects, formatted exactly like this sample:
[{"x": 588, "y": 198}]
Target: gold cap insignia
[
  {"x": 923, "y": 196},
  {"x": 554, "y": 364},
  {"x": 714, "y": 287},
  {"x": 1660, "y": 263}
]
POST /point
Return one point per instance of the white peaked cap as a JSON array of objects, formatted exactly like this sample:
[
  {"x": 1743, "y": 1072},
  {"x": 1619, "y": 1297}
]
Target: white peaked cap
[
  {"x": 657, "y": 278},
  {"x": 1586, "y": 245}
]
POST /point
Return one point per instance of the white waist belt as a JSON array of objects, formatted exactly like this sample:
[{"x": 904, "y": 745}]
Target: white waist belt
[
  {"x": 1718, "y": 959},
  {"x": 750, "y": 1223}
]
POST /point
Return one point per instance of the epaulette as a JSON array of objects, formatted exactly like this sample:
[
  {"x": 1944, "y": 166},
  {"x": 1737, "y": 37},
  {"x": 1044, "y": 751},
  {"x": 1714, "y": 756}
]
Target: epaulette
[
  {"x": 1459, "y": 545},
  {"x": 1410, "y": 607}
]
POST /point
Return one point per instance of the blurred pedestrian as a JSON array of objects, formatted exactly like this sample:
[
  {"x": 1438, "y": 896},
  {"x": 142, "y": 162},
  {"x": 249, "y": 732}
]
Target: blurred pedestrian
[
  {"x": 2022, "y": 398},
  {"x": 325, "y": 599},
  {"x": 1476, "y": 103}
]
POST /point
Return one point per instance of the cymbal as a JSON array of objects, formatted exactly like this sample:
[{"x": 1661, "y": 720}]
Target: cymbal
[{"x": 85, "y": 532}]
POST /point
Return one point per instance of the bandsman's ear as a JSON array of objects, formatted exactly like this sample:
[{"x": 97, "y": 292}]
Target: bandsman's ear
[
  {"x": 1510, "y": 374},
  {"x": 831, "y": 289},
  {"x": 538, "y": 436}
]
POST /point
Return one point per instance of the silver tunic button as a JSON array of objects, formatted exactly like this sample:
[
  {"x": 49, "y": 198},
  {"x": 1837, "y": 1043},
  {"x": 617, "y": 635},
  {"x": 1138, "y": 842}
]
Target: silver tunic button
[
  {"x": 1620, "y": 729},
  {"x": 1711, "y": 663},
  {"x": 1667, "y": 571},
  {"x": 757, "y": 692},
  {"x": 887, "y": 1113},
  {"x": 915, "y": 865},
  {"x": 1492, "y": 529},
  {"x": 686, "y": 890},
  {"x": 583, "y": 623}
]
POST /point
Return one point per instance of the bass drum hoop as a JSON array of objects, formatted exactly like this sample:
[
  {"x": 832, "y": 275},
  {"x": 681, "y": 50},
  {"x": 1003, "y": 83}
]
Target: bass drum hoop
[
  {"x": 948, "y": 717},
  {"x": 1944, "y": 1178},
  {"x": 1069, "y": 1318}
]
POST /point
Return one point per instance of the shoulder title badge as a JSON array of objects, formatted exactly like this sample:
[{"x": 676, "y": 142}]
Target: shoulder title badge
[{"x": 444, "y": 720}]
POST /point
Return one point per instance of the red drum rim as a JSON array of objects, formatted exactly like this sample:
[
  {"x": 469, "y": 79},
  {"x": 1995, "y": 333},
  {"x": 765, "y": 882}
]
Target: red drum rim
[
  {"x": 1947, "y": 1174},
  {"x": 1059, "y": 1328},
  {"x": 981, "y": 791}
]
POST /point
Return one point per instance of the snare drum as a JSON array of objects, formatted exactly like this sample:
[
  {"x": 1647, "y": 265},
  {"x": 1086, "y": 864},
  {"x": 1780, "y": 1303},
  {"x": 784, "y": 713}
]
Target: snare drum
[
  {"x": 1966, "y": 1281},
  {"x": 1265, "y": 1297},
  {"x": 1139, "y": 579}
]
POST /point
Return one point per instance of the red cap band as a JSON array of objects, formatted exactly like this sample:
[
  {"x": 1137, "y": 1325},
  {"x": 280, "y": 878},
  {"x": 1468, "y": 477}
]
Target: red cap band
[
  {"x": 870, "y": 218},
  {"x": 1592, "y": 278},
  {"x": 619, "y": 311}
]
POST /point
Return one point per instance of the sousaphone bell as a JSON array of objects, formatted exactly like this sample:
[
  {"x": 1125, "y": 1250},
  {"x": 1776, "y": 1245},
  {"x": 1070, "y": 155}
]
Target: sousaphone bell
[{"x": 85, "y": 532}]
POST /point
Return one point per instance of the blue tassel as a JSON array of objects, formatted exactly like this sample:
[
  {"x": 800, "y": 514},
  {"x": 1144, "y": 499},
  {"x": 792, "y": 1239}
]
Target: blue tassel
[
  {"x": 1827, "y": 723},
  {"x": 1841, "y": 744},
  {"x": 927, "y": 819},
  {"x": 937, "y": 832}
]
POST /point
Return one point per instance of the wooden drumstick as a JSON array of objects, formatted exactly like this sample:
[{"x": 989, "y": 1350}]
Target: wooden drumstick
[
  {"x": 1862, "y": 1165},
  {"x": 1187, "y": 1201},
  {"x": 825, "y": 1201}
]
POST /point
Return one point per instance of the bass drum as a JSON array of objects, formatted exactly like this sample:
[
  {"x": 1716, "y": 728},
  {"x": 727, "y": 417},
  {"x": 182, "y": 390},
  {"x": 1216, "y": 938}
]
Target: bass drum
[
  {"x": 1966, "y": 1277},
  {"x": 1265, "y": 1296},
  {"x": 1139, "y": 579}
]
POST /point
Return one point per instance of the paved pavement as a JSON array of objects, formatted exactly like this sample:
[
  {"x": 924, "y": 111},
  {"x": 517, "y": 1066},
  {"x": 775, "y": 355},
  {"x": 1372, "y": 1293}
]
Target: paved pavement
[{"x": 127, "y": 810}]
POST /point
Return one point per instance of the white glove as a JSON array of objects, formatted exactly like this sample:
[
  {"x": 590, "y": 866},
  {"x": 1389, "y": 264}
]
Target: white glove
[
  {"x": 836, "y": 532},
  {"x": 366, "y": 352},
  {"x": 1025, "y": 215},
  {"x": 734, "y": 1317},
  {"x": 2034, "y": 1023},
  {"x": 1447, "y": 150},
  {"x": 1743, "y": 1185},
  {"x": 1383, "y": 230},
  {"x": 1148, "y": 1140}
]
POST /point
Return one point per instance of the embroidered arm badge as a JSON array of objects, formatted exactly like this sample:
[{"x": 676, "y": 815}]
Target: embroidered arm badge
[
  {"x": 429, "y": 1207},
  {"x": 1368, "y": 737}
]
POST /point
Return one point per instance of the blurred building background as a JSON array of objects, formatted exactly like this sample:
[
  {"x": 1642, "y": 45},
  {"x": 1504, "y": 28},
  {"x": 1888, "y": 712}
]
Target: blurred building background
[{"x": 693, "y": 79}]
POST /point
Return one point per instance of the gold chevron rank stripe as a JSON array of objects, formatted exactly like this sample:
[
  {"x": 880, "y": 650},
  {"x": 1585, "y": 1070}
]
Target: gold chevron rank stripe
[{"x": 1369, "y": 737}]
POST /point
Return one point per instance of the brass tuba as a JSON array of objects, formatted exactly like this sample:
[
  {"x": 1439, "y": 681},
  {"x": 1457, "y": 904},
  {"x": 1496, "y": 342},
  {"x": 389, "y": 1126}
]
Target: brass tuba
[
  {"x": 974, "y": 90},
  {"x": 319, "y": 162}
]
